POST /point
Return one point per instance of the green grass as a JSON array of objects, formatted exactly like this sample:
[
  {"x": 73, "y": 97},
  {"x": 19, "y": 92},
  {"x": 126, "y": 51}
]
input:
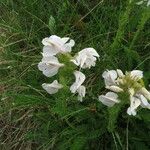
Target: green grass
[{"x": 32, "y": 119}]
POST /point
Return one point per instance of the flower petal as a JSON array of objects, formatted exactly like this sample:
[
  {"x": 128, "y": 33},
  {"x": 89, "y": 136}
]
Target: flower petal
[
  {"x": 49, "y": 66},
  {"x": 53, "y": 87},
  {"x": 81, "y": 91},
  {"x": 80, "y": 77},
  {"x": 144, "y": 102},
  {"x": 114, "y": 88},
  {"x": 65, "y": 39},
  {"x": 109, "y": 99},
  {"x": 110, "y": 77},
  {"x": 120, "y": 73},
  {"x": 134, "y": 104},
  {"x": 137, "y": 74},
  {"x": 50, "y": 50}
]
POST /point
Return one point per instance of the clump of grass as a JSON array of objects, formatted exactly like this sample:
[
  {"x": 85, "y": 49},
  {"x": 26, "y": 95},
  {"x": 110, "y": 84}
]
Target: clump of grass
[{"x": 118, "y": 30}]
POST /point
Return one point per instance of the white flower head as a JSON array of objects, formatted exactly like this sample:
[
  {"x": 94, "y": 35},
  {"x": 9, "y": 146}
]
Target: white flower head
[
  {"x": 86, "y": 58},
  {"x": 77, "y": 85},
  {"x": 116, "y": 81},
  {"x": 109, "y": 99},
  {"x": 54, "y": 45},
  {"x": 52, "y": 88},
  {"x": 49, "y": 66},
  {"x": 110, "y": 77}
]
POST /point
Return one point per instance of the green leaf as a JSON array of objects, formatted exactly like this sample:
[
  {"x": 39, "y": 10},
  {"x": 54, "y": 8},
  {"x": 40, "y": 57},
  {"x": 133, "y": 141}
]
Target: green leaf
[
  {"x": 78, "y": 143},
  {"x": 52, "y": 24}
]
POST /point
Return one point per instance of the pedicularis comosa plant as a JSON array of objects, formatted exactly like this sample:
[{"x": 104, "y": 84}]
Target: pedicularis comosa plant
[
  {"x": 57, "y": 59},
  {"x": 124, "y": 89}
]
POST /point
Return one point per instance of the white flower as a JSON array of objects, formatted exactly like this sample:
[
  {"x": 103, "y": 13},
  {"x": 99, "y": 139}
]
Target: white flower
[
  {"x": 109, "y": 99},
  {"x": 80, "y": 77},
  {"x": 49, "y": 66},
  {"x": 77, "y": 85},
  {"x": 110, "y": 77},
  {"x": 134, "y": 104},
  {"x": 52, "y": 88},
  {"x": 55, "y": 44},
  {"x": 86, "y": 58},
  {"x": 116, "y": 81},
  {"x": 136, "y": 74}
]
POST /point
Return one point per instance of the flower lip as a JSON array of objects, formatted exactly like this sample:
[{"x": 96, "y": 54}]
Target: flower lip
[
  {"x": 80, "y": 78},
  {"x": 136, "y": 74},
  {"x": 110, "y": 77},
  {"x": 60, "y": 45},
  {"x": 49, "y": 66},
  {"x": 109, "y": 99},
  {"x": 53, "y": 87},
  {"x": 134, "y": 104},
  {"x": 77, "y": 85}
]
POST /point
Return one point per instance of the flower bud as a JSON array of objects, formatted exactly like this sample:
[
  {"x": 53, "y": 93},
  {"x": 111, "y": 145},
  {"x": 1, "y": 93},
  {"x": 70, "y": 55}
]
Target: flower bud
[
  {"x": 114, "y": 88},
  {"x": 145, "y": 92}
]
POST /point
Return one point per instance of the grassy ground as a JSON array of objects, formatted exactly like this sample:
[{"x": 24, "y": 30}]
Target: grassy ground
[{"x": 120, "y": 33}]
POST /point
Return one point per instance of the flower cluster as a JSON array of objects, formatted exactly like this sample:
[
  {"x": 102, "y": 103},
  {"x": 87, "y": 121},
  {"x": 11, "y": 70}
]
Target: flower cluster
[
  {"x": 115, "y": 80},
  {"x": 50, "y": 64},
  {"x": 53, "y": 46},
  {"x": 131, "y": 83}
]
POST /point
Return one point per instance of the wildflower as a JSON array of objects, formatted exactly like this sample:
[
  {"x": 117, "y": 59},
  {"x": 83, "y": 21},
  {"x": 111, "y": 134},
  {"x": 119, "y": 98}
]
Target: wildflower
[
  {"x": 131, "y": 83},
  {"x": 86, "y": 58},
  {"x": 109, "y": 99},
  {"x": 53, "y": 87},
  {"x": 110, "y": 77},
  {"x": 49, "y": 66},
  {"x": 54, "y": 45},
  {"x": 134, "y": 104},
  {"x": 77, "y": 85}
]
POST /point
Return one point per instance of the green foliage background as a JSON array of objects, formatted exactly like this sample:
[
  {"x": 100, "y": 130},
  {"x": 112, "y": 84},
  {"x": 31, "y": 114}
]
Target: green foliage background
[{"x": 32, "y": 119}]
